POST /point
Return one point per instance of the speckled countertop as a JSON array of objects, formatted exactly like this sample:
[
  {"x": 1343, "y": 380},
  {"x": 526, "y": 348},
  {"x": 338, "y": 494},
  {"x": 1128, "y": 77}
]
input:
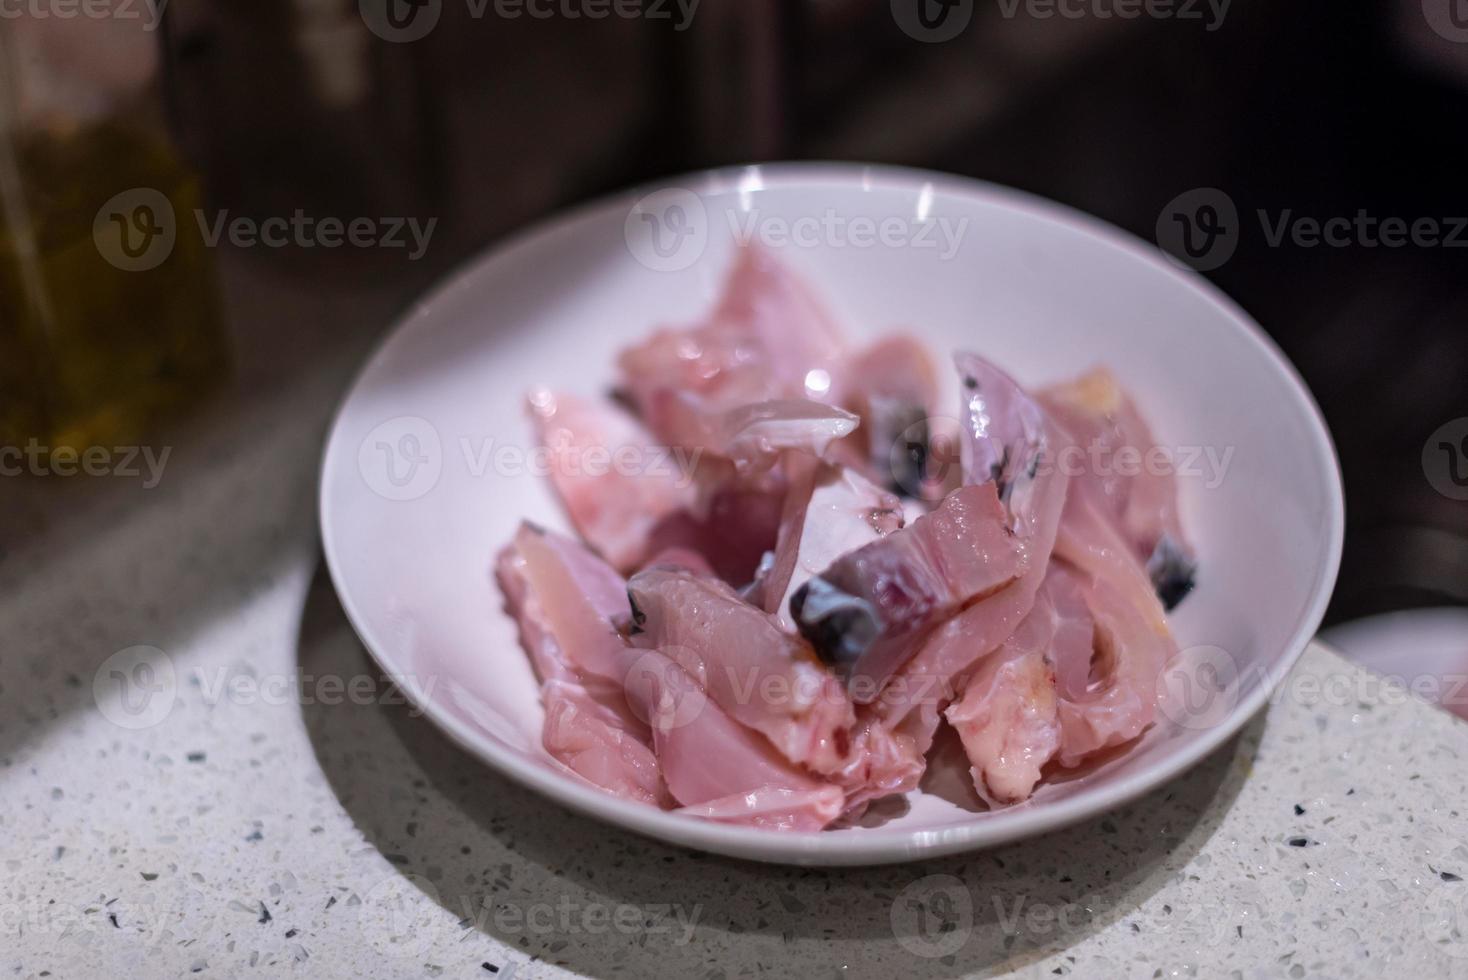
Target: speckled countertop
[{"x": 264, "y": 821}]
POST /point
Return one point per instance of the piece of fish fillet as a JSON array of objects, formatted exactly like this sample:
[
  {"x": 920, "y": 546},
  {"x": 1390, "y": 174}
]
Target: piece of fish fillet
[
  {"x": 615, "y": 484},
  {"x": 875, "y": 608},
  {"x": 871, "y": 608},
  {"x": 583, "y": 602},
  {"x": 762, "y": 676},
  {"x": 1120, "y": 701},
  {"x": 1131, "y": 477},
  {"x": 1007, "y": 716},
  {"x": 902, "y": 718},
  {"x": 589, "y": 727},
  {"x": 892, "y": 384},
  {"x": 767, "y": 338},
  {"x": 829, "y": 510}
]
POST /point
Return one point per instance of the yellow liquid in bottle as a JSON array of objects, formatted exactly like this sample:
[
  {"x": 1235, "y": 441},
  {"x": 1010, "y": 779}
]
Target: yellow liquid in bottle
[{"x": 105, "y": 327}]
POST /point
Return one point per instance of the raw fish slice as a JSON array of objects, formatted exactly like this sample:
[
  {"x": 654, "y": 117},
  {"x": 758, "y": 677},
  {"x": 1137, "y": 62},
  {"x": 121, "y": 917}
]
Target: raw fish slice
[
  {"x": 872, "y": 607},
  {"x": 910, "y": 706},
  {"x": 829, "y": 510},
  {"x": 685, "y": 559},
  {"x": 710, "y": 761},
  {"x": 589, "y": 729},
  {"x": 1108, "y": 645},
  {"x": 767, "y": 303},
  {"x": 1107, "y": 654},
  {"x": 1007, "y": 716},
  {"x": 1007, "y": 437},
  {"x": 768, "y": 338},
  {"x": 750, "y": 783},
  {"x": 878, "y": 613},
  {"x": 1131, "y": 638},
  {"x": 1129, "y": 656},
  {"x": 574, "y": 589},
  {"x": 536, "y": 635},
  {"x": 614, "y": 484},
  {"x": 1089, "y": 541},
  {"x": 753, "y": 436},
  {"x": 762, "y": 676},
  {"x": 896, "y": 730},
  {"x": 1074, "y": 644},
  {"x": 893, "y": 385},
  {"x": 1078, "y": 676},
  {"x": 582, "y": 598},
  {"x": 1139, "y": 492},
  {"x": 734, "y": 528},
  {"x": 578, "y": 734},
  {"x": 929, "y": 681},
  {"x": 888, "y": 757}
]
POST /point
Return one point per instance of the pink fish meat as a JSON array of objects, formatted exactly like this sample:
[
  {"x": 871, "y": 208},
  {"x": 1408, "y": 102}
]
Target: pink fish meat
[
  {"x": 829, "y": 510},
  {"x": 1129, "y": 475},
  {"x": 872, "y": 607},
  {"x": 763, "y": 677},
  {"x": 825, "y": 571},
  {"x": 768, "y": 338},
  {"x": 589, "y": 726},
  {"x": 614, "y": 484},
  {"x": 575, "y": 593}
]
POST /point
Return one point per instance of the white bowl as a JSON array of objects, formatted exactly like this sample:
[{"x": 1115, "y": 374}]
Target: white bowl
[{"x": 416, "y": 496}]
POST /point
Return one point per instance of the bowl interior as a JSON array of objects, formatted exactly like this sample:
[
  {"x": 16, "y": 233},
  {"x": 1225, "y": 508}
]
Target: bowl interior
[{"x": 428, "y": 470}]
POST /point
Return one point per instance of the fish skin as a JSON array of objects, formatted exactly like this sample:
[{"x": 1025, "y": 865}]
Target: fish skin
[
  {"x": 892, "y": 384},
  {"x": 913, "y": 699},
  {"x": 755, "y": 436},
  {"x": 829, "y": 510},
  {"x": 900, "y": 586},
  {"x": 1007, "y": 434}
]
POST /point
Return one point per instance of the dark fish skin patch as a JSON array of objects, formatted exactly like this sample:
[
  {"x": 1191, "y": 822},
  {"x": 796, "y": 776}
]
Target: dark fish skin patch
[
  {"x": 1172, "y": 572},
  {"x": 910, "y": 466},
  {"x": 839, "y": 626}
]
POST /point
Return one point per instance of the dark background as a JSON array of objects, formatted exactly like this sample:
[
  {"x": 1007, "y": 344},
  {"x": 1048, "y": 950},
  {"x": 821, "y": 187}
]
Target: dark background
[{"x": 1306, "y": 106}]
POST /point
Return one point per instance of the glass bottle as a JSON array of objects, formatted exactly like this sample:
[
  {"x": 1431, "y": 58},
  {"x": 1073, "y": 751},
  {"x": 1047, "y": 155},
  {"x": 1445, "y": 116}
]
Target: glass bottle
[{"x": 109, "y": 310}]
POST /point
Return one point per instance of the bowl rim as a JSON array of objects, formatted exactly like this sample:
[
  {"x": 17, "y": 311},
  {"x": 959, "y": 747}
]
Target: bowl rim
[{"x": 869, "y": 846}]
